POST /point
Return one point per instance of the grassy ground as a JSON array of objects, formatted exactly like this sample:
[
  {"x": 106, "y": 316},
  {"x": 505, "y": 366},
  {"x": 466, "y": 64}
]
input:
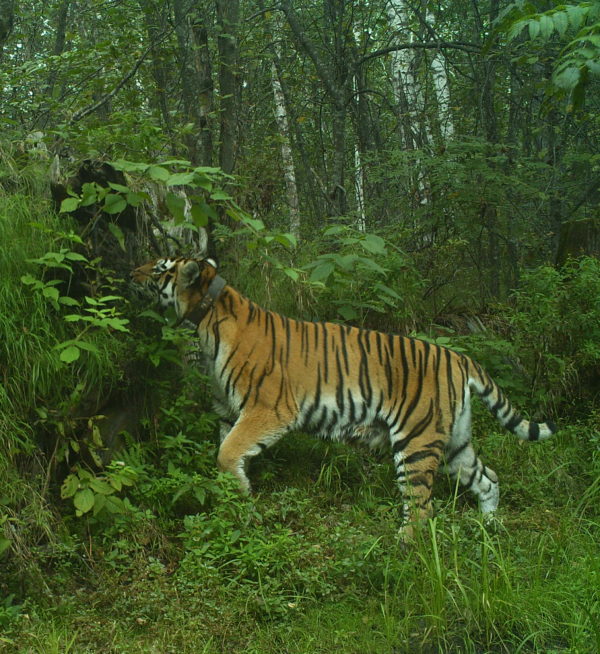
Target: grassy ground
[{"x": 312, "y": 564}]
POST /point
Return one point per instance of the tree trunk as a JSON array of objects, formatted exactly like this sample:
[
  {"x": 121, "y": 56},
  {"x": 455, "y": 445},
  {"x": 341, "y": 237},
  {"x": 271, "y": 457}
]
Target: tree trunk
[
  {"x": 205, "y": 85},
  {"x": 441, "y": 88},
  {"x": 490, "y": 124},
  {"x": 228, "y": 20},
  {"x": 59, "y": 43},
  {"x": 155, "y": 25},
  {"x": 289, "y": 172},
  {"x": 334, "y": 77},
  {"x": 362, "y": 142},
  {"x": 185, "y": 42},
  {"x": 577, "y": 238},
  {"x": 7, "y": 18},
  {"x": 407, "y": 93}
]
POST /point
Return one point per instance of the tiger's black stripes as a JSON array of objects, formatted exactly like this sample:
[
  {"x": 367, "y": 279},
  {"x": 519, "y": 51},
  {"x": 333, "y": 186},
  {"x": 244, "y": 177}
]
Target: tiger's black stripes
[{"x": 273, "y": 374}]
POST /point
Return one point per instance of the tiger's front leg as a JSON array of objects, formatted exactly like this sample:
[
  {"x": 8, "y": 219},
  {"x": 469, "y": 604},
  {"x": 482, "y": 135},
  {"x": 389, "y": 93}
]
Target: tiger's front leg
[{"x": 251, "y": 434}]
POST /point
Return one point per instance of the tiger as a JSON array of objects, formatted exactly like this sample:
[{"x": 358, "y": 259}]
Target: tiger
[{"x": 273, "y": 375}]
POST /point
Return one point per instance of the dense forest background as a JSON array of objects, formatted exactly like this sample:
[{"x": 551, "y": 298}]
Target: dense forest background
[{"x": 427, "y": 168}]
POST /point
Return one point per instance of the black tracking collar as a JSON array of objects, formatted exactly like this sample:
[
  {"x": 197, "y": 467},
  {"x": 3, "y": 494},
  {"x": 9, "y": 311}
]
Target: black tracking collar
[{"x": 202, "y": 308}]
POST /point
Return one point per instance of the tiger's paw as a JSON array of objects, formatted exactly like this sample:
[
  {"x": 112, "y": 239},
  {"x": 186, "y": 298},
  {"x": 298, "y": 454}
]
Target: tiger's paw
[{"x": 493, "y": 522}]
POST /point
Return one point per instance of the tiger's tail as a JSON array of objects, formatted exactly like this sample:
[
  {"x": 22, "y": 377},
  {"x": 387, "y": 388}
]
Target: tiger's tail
[{"x": 502, "y": 409}]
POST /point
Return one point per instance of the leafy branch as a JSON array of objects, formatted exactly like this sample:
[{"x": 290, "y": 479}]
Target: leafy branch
[{"x": 579, "y": 58}]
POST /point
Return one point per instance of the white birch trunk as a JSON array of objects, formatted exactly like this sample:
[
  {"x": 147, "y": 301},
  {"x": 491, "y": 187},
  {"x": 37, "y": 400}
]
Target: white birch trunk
[
  {"x": 359, "y": 177},
  {"x": 442, "y": 89},
  {"x": 359, "y": 190},
  {"x": 289, "y": 172},
  {"x": 407, "y": 91},
  {"x": 403, "y": 81}
]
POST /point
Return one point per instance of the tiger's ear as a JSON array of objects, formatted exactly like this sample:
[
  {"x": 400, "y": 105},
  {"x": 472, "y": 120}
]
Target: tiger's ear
[
  {"x": 189, "y": 273},
  {"x": 211, "y": 262}
]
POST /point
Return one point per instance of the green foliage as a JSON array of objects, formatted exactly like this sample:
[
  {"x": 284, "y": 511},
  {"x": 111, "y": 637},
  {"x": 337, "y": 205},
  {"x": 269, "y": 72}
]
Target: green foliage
[
  {"x": 97, "y": 314},
  {"x": 9, "y": 614},
  {"x": 579, "y": 59},
  {"x": 360, "y": 275},
  {"x": 556, "y": 329},
  {"x": 98, "y": 492}
]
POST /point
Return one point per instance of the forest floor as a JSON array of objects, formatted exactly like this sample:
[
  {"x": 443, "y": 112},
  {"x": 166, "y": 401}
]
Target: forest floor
[{"x": 313, "y": 564}]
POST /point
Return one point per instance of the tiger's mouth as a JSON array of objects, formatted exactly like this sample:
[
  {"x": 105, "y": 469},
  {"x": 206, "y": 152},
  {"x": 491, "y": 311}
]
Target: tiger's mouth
[{"x": 140, "y": 276}]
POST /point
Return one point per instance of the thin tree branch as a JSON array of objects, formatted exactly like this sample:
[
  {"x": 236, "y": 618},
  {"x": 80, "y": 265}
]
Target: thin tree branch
[
  {"x": 82, "y": 113},
  {"x": 436, "y": 45},
  {"x": 308, "y": 46}
]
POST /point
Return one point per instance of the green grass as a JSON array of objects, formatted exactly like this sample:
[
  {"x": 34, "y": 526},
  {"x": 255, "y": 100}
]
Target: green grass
[{"x": 313, "y": 564}]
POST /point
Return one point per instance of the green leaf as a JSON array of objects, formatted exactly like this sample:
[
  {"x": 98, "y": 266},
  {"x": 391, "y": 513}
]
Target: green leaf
[
  {"x": 203, "y": 182},
  {"x": 117, "y": 232},
  {"x": 84, "y": 345},
  {"x": 70, "y": 354},
  {"x": 29, "y": 280},
  {"x": 576, "y": 15},
  {"x": 118, "y": 187},
  {"x": 346, "y": 262},
  {"x": 561, "y": 22},
  {"x": 334, "y": 230},
  {"x": 69, "y": 486},
  {"x": 176, "y": 205},
  {"x": 4, "y": 544},
  {"x": 515, "y": 29},
  {"x": 114, "y": 203},
  {"x": 152, "y": 314},
  {"x": 369, "y": 263},
  {"x": 135, "y": 199},
  {"x": 102, "y": 487},
  {"x": 68, "y": 301},
  {"x": 209, "y": 170},
  {"x": 287, "y": 240},
  {"x": 347, "y": 312},
  {"x": 389, "y": 291},
  {"x": 534, "y": 28},
  {"x": 107, "y": 298},
  {"x": 176, "y": 162},
  {"x": 220, "y": 195},
  {"x": 159, "y": 173},
  {"x": 567, "y": 78},
  {"x": 75, "y": 256},
  {"x": 255, "y": 223},
  {"x": 546, "y": 26},
  {"x": 89, "y": 194},
  {"x": 50, "y": 292},
  {"x": 99, "y": 503},
  {"x": 118, "y": 324},
  {"x": 114, "y": 504},
  {"x": 374, "y": 244},
  {"x": 129, "y": 166},
  {"x": 180, "y": 179},
  {"x": 322, "y": 272},
  {"x": 200, "y": 214},
  {"x": 69, "y": 204},
  {"x": 84, "y": 500}
]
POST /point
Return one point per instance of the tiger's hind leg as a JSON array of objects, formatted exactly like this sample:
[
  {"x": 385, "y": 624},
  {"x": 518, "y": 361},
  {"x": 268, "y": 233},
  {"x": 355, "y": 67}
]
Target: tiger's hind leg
[
  {"x": 251, "y": 434},
  {"x": 417, "y": 455},
  {"x": 463, "y": 464}
]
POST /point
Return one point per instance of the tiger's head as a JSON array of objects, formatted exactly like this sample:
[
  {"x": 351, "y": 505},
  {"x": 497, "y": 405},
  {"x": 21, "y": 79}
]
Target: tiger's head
[{"x": 177, "y": 282}]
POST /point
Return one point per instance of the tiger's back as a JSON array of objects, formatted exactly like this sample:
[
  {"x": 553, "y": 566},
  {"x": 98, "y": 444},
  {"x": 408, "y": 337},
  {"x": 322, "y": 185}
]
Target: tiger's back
[{"x": 275, "y": 374}]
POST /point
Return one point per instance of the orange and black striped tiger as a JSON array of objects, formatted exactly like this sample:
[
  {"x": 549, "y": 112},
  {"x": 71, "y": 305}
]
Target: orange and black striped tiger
[{"x": 274, "y": 374}]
